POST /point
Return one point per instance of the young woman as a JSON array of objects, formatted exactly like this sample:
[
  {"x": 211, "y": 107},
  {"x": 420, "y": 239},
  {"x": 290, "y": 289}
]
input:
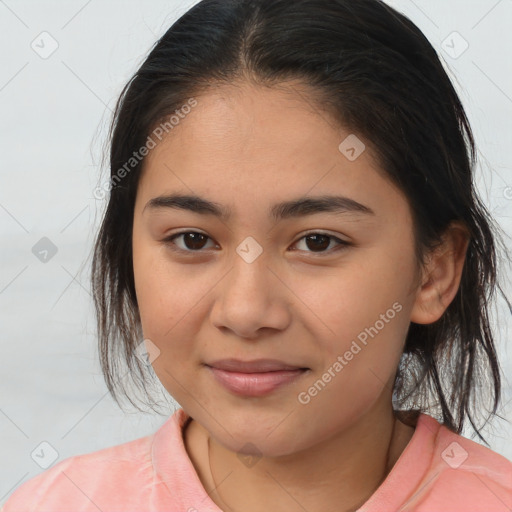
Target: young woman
[{"x": 294, "y": 242}]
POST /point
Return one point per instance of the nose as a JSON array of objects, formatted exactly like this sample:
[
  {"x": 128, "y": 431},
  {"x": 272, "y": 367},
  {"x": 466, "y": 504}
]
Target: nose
[{"x": 251, "y": 299}]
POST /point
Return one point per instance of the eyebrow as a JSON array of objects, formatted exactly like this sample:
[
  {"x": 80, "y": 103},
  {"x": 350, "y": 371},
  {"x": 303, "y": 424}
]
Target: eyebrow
[{"x": 301, "y": 207}]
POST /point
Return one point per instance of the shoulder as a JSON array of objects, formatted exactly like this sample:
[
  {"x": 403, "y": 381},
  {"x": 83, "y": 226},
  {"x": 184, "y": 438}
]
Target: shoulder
[
  {"x": 465, "y": 473},
  {"x": 84, "y": 482}
]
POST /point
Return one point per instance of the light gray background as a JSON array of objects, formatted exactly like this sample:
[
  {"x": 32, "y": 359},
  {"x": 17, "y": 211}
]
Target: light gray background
[{"x": 54, "y": 113}]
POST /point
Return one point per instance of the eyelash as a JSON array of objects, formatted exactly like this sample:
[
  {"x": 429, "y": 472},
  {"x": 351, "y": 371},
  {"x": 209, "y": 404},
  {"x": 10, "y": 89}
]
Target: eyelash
[{"x": 169, "y": 241}]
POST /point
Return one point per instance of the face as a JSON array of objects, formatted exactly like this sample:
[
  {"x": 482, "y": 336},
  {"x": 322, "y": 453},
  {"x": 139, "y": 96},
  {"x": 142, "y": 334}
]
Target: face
[{"x": 324, "y": 292}]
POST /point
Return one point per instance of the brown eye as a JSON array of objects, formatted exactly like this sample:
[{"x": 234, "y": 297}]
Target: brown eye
[
  {"x": 319, "y": 242},
  {"x": 191, "y": 241}
]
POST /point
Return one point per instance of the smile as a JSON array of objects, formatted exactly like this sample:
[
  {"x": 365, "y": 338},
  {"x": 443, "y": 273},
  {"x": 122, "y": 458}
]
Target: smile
[{"x": 254, "y": 378}]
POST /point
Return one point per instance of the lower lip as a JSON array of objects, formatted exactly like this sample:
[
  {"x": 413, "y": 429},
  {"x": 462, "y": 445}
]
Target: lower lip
[{"x": 255, "y": 384}]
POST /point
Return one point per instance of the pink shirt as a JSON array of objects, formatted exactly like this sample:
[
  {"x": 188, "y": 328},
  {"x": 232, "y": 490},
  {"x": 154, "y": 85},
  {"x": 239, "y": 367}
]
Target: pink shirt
[{"x": 438, "y": 471}]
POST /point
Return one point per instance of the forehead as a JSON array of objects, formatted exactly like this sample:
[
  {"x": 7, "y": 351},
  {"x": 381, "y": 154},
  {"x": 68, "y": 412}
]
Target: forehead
[
  {"x": 272, "y": 142},
  {"x": 248, "y": 127}
]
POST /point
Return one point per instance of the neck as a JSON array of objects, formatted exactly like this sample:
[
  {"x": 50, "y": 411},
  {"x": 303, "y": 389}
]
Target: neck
[{"x": 338, "y": 474}]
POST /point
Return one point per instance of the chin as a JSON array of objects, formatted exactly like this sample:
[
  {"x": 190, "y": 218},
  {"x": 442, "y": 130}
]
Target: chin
[{"x": 257, "y": 440}]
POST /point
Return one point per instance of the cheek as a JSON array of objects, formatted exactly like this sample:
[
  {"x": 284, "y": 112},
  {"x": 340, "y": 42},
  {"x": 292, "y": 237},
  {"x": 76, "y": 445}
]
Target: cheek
[
  {"x": 172, "y": 303},
  {"x": 342, "y": 303},
  {"x": 166, "y": 310},
  {"x": 149, "y": 282},
  {"x": 361, "y": 312},
  {"x": 162, "y": 297}
]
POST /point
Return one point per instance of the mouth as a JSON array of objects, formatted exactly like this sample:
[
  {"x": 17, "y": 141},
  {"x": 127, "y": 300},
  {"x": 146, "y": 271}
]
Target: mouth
[{"x": 254, "y": 378}]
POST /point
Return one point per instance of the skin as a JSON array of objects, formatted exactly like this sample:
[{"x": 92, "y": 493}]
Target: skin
[{"x": 247, "y": 148}]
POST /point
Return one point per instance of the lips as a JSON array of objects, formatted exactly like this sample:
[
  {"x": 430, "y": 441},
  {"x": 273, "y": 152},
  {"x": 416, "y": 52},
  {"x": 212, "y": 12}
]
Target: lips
[
  {"x": 254, "y": 378},
  {"x": 256, "y": 366}
]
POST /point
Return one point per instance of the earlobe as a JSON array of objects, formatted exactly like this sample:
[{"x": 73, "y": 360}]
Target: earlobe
[{"x": 441, "y": 276}]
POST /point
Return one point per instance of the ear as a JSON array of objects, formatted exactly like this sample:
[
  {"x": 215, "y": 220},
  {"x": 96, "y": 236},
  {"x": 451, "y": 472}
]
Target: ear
[{"x": 441, "y": 276}]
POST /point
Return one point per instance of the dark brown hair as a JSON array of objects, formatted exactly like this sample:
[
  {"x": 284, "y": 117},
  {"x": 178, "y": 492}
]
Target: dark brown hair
[{"x": 375, "y": 72}]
